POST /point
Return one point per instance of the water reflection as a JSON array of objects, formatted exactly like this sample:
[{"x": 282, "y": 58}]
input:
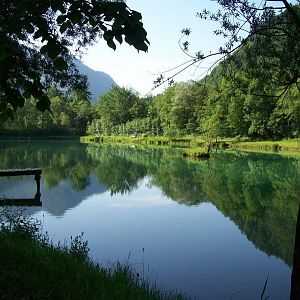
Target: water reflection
[
  {"x": 259, "y": 193},
  {"x": 67, "y": 177}
]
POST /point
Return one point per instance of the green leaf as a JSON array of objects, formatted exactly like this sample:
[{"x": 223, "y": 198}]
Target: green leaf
[
  {"x": 103, "y": 27},
  {"x": 136, "y": 15},
  {"x": 60, "y": 19},
  {"x": 141, "y": 46},
  {"x": 60, "y": 64},
  {"x": 92, "y": 21},
  {"x": 15, "y": 29},
  {"x": 111, "y": 44},
  {"x": 43, "y": 103},
  {"x": 26, "y": 94},
  {"x": 44, "y": 49},
  {"x": 119, "y": 38},
  {"x": 16, "y": 99},
  {"x": 58, "y": 5},
  {"x": 118, "y": 23},
  {"x": 64, "y": 27},
  {"x": 53, "y": 50},
  {"x": 27, "y": 84},
  {"x": 76, "y": 18},
  {"x": 29, "y": 28},
  {"x": 129, "y": 40},
  {"x": 43, "y": 26},
  {"x": 38, "y": 34}
]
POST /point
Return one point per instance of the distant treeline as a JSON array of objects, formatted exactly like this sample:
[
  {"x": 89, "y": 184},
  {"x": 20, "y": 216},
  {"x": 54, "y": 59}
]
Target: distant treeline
[
  {"x": 190, "y": 108},
  {"x": 70, "y": 114},
  {"x": 198, "y": 108}
]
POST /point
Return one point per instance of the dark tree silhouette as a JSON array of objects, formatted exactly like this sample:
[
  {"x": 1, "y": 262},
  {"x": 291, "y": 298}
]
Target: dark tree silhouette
[{"x": 38, "y": 42}]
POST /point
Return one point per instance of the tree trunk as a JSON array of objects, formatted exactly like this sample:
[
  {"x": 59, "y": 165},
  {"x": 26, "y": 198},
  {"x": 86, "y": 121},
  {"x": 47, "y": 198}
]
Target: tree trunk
[{"x": 295, "y": 279}]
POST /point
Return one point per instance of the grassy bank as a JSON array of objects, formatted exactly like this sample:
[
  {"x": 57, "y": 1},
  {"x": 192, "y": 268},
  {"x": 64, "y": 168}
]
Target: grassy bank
[
  {"x": 275, "y": 146},
  {"x": 149, "y": 140},
  {"x": 196, "y": 153},
  {"x": 292, "y": 145},
  {"x": 33, "y": 268}
]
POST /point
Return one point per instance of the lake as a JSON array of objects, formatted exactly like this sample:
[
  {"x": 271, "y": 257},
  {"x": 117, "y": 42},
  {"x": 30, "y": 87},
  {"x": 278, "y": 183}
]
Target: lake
[{"x": 213, "y": 229}]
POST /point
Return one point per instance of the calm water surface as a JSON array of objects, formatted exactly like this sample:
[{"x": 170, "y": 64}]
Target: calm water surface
[{"x": 212, "y": 229}]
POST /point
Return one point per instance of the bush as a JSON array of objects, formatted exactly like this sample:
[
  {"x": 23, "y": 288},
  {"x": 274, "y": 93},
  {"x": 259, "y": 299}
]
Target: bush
[{"x": 276, "y": 147}]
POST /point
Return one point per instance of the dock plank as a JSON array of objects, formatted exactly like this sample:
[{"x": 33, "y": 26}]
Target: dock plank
[{"x": 20, "y": 172}]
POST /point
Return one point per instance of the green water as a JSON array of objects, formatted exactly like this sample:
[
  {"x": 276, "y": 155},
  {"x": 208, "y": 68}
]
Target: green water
[{"x": 213, "y": 229}]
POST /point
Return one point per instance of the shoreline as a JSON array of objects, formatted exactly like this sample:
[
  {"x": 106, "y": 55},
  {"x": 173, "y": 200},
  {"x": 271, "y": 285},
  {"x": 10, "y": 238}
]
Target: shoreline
[
  {"x": 267, "y": 146},
  {"x": 64, "y": 272},
  {"x": 37, "y": 137}
]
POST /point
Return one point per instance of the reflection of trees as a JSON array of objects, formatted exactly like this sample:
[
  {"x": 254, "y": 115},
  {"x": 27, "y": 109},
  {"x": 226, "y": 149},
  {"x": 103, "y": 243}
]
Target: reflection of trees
[
  {"x": 258, "y": 192},
  {"x": 178, "y": 180},
  {"x": 59, "y": 161},
  {"x": 117, "y": 173}
]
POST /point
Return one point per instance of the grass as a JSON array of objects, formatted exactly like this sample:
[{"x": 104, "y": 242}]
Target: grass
[
  {"x": 33, "y": 268},
  {"x": 196, "y": 153},
  {"x": 146, "y": 140},
  {"x": 283, "y": 145},
  {"x": 194, "y": 142}
]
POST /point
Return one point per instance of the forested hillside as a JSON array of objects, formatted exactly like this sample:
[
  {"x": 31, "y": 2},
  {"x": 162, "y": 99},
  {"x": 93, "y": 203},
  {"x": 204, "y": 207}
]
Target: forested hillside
[
  {"x": 199, "y": 108},
  {"x": 251, "y": 94}
]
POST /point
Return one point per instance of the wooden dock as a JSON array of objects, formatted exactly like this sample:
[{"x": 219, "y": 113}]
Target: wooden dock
[{"x": 22, "y": 172}]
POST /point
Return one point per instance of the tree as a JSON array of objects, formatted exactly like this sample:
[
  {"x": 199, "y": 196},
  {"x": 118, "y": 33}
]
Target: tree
[
  {"x": 180, "y": 108},
  {"x": 115, "y": 106},
  {"x": 213, "y": 123},
  {"x": 163, "y": 105},
  {"x": 273, "y": 30},
  {"x": 258, "y": 28},
  {"x": 38, "y": 43}
]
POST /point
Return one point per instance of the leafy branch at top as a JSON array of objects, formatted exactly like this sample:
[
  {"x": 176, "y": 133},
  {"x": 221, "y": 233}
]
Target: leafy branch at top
[
  {"x": 37, "y": 51},
  {"x": 242, "y": 22}
]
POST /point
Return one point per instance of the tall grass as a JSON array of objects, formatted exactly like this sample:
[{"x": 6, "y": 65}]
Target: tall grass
[{"x": 34, "y": 268}]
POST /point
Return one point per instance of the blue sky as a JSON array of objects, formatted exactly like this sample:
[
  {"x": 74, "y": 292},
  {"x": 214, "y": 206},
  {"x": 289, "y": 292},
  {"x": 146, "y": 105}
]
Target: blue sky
[{"x": 163, "y": 21}]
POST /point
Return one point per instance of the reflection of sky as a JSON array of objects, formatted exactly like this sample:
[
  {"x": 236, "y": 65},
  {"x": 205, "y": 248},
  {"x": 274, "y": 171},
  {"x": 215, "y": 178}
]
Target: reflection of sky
[
  {"x": 140, "y": 198},
  {"x": 194, "y": 249},
  {"x": 56, "y": 200},
  {"x": 17, "y": 187}
]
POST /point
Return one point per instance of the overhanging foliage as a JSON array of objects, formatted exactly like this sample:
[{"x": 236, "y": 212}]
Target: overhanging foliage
[{"x": 38, "y": 42}]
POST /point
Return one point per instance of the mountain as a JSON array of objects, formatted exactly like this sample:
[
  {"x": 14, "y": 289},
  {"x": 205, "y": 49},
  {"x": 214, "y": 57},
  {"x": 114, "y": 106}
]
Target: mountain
[{"x": 99, "y": 82}]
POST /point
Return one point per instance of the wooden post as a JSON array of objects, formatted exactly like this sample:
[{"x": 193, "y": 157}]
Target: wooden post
[
  {"x": 37, "y": 178},
  {"x": 21, "y": 172}
]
